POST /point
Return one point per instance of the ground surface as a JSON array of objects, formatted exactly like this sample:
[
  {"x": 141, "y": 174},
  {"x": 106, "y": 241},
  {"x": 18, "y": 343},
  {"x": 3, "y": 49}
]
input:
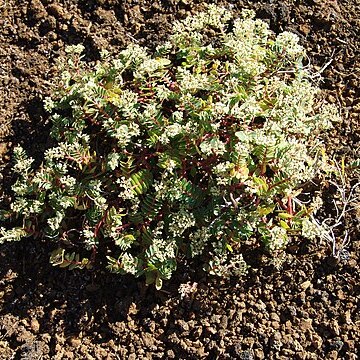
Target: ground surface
[{"x": 306, "y": 307}]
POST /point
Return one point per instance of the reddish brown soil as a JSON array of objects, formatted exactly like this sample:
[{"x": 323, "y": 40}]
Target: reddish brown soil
[{"x": 305, "y": 307}]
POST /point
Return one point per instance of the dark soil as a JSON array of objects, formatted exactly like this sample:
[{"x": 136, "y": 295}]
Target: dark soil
[{"x": 302, "y": 306}]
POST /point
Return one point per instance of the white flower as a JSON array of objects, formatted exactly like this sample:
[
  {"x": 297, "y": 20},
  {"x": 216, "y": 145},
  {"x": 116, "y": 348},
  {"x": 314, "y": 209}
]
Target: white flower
[
  {"x": 113, "y": 160},
  {"x": 180, "y": 222},
  {"x": 198, "y": 241},
  {"x": 289, "y": 42},
  {"x": 213, "y": 146}
]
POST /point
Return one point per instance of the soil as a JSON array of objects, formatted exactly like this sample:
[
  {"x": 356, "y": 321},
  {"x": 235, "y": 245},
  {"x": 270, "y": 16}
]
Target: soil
[{"x": 304, "y": 305}]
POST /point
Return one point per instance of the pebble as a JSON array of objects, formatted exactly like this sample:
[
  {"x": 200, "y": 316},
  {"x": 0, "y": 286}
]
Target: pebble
[
  {"x": 335, "y": 327},
  {"x": 69, "y": 355},
  {"x": 57, "y": 11},
  {"x": 259, "y": 354},
  {"x": 332, "y": 355},
  {"x": 224, "y": 322},
  {"x": 148, "y": 340},
  {"x": 211, "y": 330},
  {"x": 184, "y": 326},
  {"x": 74, "y": 341},
  {"x": 305, "y": 324},
  {"x": 316, "y": 341},
  {"x": 305, "y": 285},
  {"x": 197, "y": 332},
  {"x": 38, "y": 9},
  {"x": 275, "y": 317},
  {"x": 275, "y": 325},
  {"x": 297, "y": 346},
  {"x": 348, "y": 317},
  {"x": 35, "y": 326}
]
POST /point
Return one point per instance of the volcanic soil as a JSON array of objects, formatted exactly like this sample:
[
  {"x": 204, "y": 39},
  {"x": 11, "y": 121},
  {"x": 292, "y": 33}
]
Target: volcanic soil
[{"x": 303, "y": 305}]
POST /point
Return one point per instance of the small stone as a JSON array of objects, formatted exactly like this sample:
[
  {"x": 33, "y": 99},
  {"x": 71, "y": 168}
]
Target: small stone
[
  {"x": 292, "y": 310},
  {"x": 297, "y": 346},
  {"x": 64, "y": 27},
  {"x": 302, "y": 296},
  {"x": 341, "y": 295},
  {"x": 57, "y": 11},
  {"x": 246, "y": 355},
  {"x": 335, "y": 327},
  {"x": 287, "y": 339},
  {"x": 224, "y": 322},
  {"x": 275, "y": 325},
  {"x": 332, "y": 355},
  {"x": 351, "y": 344},
  {"x": 275, "y": 317},
  {"x": 259, "y": 354},
  {"x": 197, "y": 332},
  {"x": 316, "y": 341},
  {"x": 69, "y": 355},
  {"x": 241, "y": 304},
  {"x": 305, "y": 324},
  {"x": 249, "y": 341},
  {"x": 332, "y": 99},
  {"x": 74, "y": 341},
  {"x": 215, "y": 319},
  {"x": 261, "y": 306},
  {"x": 105, "y": 16},
  {"x": 35, "y": 326},
  {"x": 305, "y": 29},
  {"x": 148, "y": 340},
  {"x": 200, "y": 352},
  {"x": 211, "y": 330},
  {"x": 183, "y": 325},
  {"x": 37, "y": 9},
  {"x": 348, "y": 317},
  {"x": 305, "y": 285},
  {"x": 52, "y": 36},
  {"x": 170, "y": 354},
  {"x": 289, "y": 353}
]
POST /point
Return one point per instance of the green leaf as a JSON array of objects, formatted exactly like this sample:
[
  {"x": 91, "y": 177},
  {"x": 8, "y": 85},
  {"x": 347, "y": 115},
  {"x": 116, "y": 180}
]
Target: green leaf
[
  {"x": 285, "y": 216},
  {"x": 284, "y": 225},
  {"x": 158, "y": 283},
  {"x": 150, "y": 277},
  {"x": 141, "y": 181},
  {"x": 57, "y": 256}
]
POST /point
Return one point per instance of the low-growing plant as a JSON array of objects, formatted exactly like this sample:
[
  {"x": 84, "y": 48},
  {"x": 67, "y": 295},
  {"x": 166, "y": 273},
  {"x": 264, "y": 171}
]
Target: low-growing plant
[{"x": 189, "y": 151}]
